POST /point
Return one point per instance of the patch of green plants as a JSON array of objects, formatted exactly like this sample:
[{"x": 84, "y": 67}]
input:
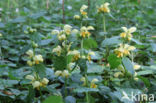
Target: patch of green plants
[{"x": 77, "y": 51}]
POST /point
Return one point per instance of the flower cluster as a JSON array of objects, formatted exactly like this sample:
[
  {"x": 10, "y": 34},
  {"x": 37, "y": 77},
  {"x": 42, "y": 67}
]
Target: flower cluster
[
  {"x": 92, "y": 84},
  {"x": 64, "y": 73},
  {"x": 124, "y": 50},
  {"x": 57, "y": 50},
  {"x": 104, "y": 8},
  {"x": 77, "y": 17},
  {"x": 127, "y": 34},
  {"x": 37, "y": 82},
  {"x": 83, "y": 12},
  {"x": 75, "y": 54},
  {"x": 84, "y": 31},
  {"x": 29, "y": 30},
  {"x": 62, "y": 34},
  {"x": 34, "y": 59},
  {"x": 89, "y": 56}
]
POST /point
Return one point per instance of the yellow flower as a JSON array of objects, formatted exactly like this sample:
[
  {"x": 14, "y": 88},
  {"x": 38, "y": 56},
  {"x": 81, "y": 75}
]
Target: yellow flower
[
  {"x": 136, "y": 67},
  {"x": 44, "y": 82},
  {"x": 135, "y": 77},
  {"x": 83, "y": 79},
  {"x": 84, "y": 31},
  {"x": 93, "y": 85},
  {"x": 104, "y": 8},
  {"x": 30, "y": 53},
  {"x": 55, "y": 32},
  {"x": 36, "y": 84},
  {"x": 38, "y": 58},
  {"x": 67, "y": 29},
  {"x": 89, "y": 55},
  {"x": 94, "y": 80},
  {"x": 117, "y": 74},
  {"x": 75, "y": 31},
  {"x": 58, "y": 73},
  {"x": 83, "y": 7},
  {"x": 75, "y": 54},
  {"x": 57, "y": 50},
  {"x": 1, "y": 35},
  {"x": 35, "y": 45},
  {"x": 29, "y": 62},
  {"x": 90, "y": 28},
  {"x": 83, "y": 13},
  {"x": 62, "y": 37},
  {"x": 124, "y": 50},
  {"x": 65, "y": 74},
  {"x": 30, "y": 77},
  {"x": 127, "y": 32},
  {"x": 76, "y": 17}
]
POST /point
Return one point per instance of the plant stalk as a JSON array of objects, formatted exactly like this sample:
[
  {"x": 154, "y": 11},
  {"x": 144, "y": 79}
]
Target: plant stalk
[{"x": 63, "y": 12}]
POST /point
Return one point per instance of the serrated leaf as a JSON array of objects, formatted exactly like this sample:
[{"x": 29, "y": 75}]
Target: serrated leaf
[
  {"x": 89, "y": 43},
  {"x": 110, "y": 41},
  {"x": 128, "y": 65},
  {"x": 60, "y": 62},
  {"x": 70, "y": 99},
  {"x": 93, "y": 68},
  {"x": 53, "y": 99},
  {"x": 84, "y": 89},
  {"x": 114, "y": 61},
  {"x": 41, "y": 70}
]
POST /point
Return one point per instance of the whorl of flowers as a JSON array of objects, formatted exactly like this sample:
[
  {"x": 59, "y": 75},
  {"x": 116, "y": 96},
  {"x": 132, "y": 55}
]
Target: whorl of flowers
[{"x": 104, "y": 8}]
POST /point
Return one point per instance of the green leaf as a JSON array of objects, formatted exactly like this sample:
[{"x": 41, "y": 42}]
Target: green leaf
[
  {"x": 114, "y": 61},
  {"x": 45, "y": 42},
  {"x": 60, "y": 62},
  {"x": 128, "y": 65},
  {"x": 145, "y": 80},
  {"x": 53, "y": 99},
  {"x": 145, "y": 72},
  {"x": 110, "y": 41},
  {"x": 40, "y": 69},
  {"x": 70, "y": 99},
  {"x": 89, "y": 43},
  {"x": 84, "y": 89},
  {"x": 19, "y": 20},
  {"x": 82, "y": 65},
  {"x": 31, "y": 95},
  {"x": 94, "y": 68}
]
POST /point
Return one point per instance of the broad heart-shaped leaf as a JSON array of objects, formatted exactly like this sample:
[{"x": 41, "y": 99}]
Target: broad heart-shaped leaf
[
  {"x": 40, "y": 69},
  {"x": 60, "y": 62},
  {"x": 114, "y": 61},
  {"x": 94, "y": 68},
  {"x": 111, "y": 41},
  {"x": 84, "y": 89},
  {"x": 145, "y": 80},
  {"x": 53, "y": 99},
  {"x": 83, "y": 65},
  {"x": 70, "y": 99},
  {"x": 19, "y": 20},
  {"x": 89, "y": 43},
  {"x": 128, "y": 65}
]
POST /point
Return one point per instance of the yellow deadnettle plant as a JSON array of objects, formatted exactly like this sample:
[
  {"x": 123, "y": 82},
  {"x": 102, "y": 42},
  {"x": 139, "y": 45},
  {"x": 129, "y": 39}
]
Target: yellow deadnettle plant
[
  {"x": 104, "y": 8},
  {"x": 127, "y": 32}
]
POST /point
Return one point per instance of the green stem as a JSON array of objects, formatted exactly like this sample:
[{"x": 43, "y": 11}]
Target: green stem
[
  {"x": 82, "y": 47},
  {"x": 104, "y": 23},
  {"x": 65, "y": 87},
  {"x": 41, "y": 94},
  {"x": 87, "y": 94}
]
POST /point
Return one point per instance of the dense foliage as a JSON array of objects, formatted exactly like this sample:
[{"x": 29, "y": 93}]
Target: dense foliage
[{"x": 77, "y": 51}]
